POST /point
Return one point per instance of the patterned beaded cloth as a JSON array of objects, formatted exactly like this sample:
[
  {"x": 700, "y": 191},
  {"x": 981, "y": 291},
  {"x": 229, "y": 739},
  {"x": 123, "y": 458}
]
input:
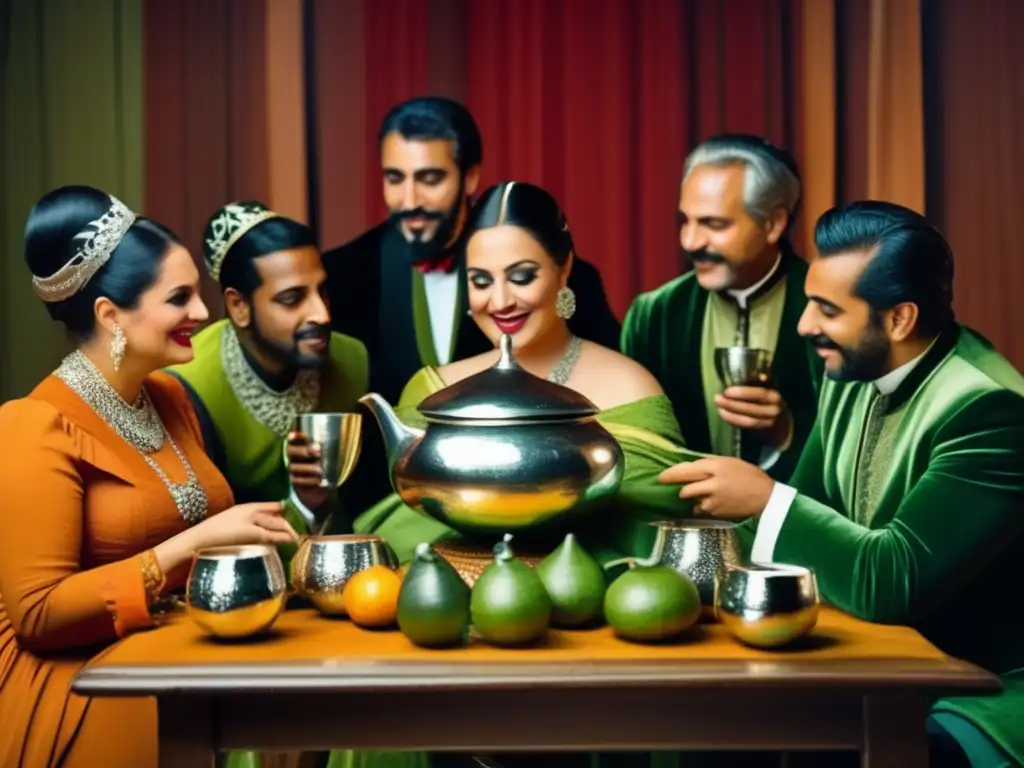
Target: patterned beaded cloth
[{"x": 471, "y": 559}]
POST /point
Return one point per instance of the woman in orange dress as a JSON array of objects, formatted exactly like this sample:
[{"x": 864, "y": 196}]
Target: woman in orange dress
[{"x": 107, "y": 491}]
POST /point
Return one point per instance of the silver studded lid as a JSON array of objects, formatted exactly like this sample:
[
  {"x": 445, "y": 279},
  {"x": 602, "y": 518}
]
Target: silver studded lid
[{"x": 506, "y": 392}]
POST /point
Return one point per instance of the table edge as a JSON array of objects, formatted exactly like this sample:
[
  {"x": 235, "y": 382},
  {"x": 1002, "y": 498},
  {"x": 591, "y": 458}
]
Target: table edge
[{"x": 945, "y": 675}]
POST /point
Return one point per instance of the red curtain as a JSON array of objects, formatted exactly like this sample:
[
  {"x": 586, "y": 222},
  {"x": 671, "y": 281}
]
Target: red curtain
[
  {"x": 206, "y": 137},
  {"x": 974, "y": 86},
  {"x": 596, "y": 100}
]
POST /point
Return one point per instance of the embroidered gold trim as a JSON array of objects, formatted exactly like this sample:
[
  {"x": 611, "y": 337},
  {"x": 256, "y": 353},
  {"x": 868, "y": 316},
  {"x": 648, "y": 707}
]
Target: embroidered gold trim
[{"x": 153, "y": 577}]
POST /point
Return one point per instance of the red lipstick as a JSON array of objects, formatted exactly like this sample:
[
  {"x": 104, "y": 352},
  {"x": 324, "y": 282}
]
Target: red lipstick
[
  {"x": 511, "y": 325},
  {"x": 183, "y": 336}
]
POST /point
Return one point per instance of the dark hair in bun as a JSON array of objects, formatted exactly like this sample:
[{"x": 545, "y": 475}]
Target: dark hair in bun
[
  {"x": 132, "y": 269},
  {"x": 518, "y": 204}
]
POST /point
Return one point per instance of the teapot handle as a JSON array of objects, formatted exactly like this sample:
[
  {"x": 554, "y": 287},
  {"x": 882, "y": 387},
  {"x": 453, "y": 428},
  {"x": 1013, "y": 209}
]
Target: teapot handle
[{"x": 632, "y": 562}]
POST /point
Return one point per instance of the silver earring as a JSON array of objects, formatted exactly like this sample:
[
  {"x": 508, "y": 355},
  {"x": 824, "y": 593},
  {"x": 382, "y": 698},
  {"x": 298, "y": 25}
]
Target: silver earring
[
  {"x": 118, "y": 347},
  {"x": 565, "y": 303}
]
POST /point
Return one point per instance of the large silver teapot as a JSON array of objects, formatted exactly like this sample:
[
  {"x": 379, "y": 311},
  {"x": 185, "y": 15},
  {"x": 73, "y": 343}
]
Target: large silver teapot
[{"x": 503, "y": 451}]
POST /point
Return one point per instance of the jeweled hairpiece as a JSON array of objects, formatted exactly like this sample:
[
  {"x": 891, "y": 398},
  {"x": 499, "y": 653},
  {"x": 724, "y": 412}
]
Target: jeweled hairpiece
[
  {"x": 99, "y": 239},
  {"x": 225, "y": 229}
]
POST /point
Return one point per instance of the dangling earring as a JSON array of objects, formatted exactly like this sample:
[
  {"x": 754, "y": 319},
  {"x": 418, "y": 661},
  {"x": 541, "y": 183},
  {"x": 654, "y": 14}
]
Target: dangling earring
[
  {"x": 118, "y": 347},
  {"x": 565, "y": 303}
]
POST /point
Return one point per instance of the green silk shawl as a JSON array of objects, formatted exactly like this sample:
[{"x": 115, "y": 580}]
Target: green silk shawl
[
  {"x": 646, "y": 430},
  {"x": 942, "y": 539}
]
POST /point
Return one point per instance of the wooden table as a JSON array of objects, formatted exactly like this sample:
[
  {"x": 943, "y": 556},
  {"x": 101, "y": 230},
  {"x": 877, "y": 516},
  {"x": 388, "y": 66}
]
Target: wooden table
[{"x": 317, "y": 683}]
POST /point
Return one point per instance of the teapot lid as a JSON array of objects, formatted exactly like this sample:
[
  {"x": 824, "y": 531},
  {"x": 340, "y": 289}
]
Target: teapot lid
[{"x": 505, "y": 391}]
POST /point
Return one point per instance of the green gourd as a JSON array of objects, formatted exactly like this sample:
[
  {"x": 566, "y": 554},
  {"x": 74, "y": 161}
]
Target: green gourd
[
  {"x": 650, "y": 603},
  {"x": 575, "y": 583},
  {"x": 509, "y": 605},
  {"x": 433, "y": 602}
]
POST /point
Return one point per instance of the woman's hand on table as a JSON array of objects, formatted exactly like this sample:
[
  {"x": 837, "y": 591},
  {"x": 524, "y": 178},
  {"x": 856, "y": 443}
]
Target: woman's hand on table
[{"x": 304, "y": 473}]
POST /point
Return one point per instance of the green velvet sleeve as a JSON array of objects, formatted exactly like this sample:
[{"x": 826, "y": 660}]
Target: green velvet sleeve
[
  {"x": 649, "y": 435},
  {"x": 965, "y": 507},
  {"x": 809, "y": 475},
  {"x": 807, "y": 478},
  {"x": 633, "y": 340}
]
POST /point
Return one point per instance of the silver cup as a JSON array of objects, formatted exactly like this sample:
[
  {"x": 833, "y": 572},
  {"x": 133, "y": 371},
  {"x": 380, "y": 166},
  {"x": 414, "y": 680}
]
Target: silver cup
[
  {"x": 743, "y": 366},
  {"x": 324, "y": 564},
  {"x": 339, "y": 436},
  {"x": 235, "y": 592},
  {"x": 767, "y": 606}
]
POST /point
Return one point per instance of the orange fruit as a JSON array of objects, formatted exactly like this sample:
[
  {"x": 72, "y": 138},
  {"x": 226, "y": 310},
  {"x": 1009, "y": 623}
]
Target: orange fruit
[{"x": 371, "y": 596}]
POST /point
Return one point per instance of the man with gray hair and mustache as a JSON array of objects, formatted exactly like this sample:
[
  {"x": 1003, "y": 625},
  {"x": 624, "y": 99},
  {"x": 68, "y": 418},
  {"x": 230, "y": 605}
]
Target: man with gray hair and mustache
[{"x": 737, "y": 201}]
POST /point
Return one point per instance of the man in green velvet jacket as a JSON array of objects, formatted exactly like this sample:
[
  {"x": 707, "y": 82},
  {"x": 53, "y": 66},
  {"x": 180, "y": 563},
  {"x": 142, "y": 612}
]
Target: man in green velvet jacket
[
  {"x": 737, "y": 201},
  {"x": 908, "y": 500}
]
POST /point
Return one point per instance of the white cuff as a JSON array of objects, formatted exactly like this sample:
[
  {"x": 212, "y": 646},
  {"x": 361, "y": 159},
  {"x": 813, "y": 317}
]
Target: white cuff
[
  {"x": 770, "y": 525},
  {"x": 310, "y": 517}
]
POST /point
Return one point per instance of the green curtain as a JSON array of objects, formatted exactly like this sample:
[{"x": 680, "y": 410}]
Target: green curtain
[{"x": 73, "y": 115}]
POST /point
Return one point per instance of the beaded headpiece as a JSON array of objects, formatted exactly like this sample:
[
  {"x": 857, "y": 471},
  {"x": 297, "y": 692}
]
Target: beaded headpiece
[
  {"x": 226, "y": 227},
  {"x": 98, "y": 239}
]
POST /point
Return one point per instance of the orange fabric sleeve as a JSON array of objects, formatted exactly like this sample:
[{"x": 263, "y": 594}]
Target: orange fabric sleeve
[{"x": 52, "y": 603}]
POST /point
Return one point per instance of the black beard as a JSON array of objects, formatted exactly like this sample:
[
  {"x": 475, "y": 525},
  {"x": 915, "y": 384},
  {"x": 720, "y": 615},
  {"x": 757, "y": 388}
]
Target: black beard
[
  {"x": 288, "y": 352},
  {"x": 865, "y": 362},
  {"x": 438, "y": 244}
]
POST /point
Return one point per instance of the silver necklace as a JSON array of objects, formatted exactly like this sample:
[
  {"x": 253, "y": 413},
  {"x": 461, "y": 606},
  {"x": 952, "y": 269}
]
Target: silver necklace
[
  {"x": 563, "y": 368},
  {"x": 274, "y": 410},
  {"x": 138, "y": 425}
]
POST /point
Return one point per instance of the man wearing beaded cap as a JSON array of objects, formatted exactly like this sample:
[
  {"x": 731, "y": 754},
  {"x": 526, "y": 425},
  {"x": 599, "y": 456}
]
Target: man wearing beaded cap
[
  {"x": 273, "y": 356},
  {"x": 737, "y": 201}
]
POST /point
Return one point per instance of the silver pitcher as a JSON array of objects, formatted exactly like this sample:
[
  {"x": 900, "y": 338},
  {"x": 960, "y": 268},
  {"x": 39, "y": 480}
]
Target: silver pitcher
[
  {"x": 235, "y": 592},
  {"x": 695, "y": 548},
  {"x": 503, "y": 451}
]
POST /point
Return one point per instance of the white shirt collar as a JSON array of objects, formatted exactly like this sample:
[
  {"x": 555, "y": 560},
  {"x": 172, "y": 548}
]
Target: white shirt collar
[
  {"x": 889, "y": 383},
  {"x": 741, "y": 295}
]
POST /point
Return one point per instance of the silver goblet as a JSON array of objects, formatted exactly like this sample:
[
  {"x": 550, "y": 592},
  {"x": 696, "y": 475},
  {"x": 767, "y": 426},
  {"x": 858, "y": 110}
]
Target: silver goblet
[
  {"x": 339, "y": 436},
  {"x": 767, "y": 606},
  {"x": 743, "y": 367},
  {"x": 235, "y": 592}
]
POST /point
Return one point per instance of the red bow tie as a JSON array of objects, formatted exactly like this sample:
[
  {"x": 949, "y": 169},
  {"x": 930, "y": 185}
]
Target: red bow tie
[{"x": 445, "y": 263}]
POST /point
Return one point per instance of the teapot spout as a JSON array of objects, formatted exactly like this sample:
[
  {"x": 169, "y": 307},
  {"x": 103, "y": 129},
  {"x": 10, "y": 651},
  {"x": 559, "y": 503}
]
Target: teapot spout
[
  {"x": 632, "y": 562},
  {"x": 397, "y": 436}
]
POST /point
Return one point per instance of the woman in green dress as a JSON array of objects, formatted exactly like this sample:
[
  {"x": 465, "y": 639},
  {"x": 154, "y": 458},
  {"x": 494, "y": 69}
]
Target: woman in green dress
[{"x": 518, "y": 258}]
